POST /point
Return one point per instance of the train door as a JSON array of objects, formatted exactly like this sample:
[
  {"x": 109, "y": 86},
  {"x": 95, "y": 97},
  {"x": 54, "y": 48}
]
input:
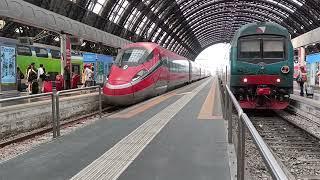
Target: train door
[{"x": 163, "y": 80}]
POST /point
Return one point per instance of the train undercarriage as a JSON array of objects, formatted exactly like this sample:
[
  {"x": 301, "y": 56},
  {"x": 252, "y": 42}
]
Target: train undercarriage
[{"x": 262, "y": 97}]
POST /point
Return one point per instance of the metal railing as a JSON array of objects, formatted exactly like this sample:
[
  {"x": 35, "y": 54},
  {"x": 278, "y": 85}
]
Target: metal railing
[
  {"x": 245, "y": 123},
  {"x": 55, "y": 102}
]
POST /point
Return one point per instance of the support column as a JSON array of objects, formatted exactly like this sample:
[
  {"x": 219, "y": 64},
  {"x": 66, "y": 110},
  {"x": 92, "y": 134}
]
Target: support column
[
  {"x": 1, "y": 72},
  {"x": 301, "y": 56},
  {"x": 65, "y": 56}
]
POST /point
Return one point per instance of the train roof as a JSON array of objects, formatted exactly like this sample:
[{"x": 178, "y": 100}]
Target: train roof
[
  {"x": 147, "y": 45},
  {"x": 151, "y": 46},
  {"x": 266, "y": 28}
]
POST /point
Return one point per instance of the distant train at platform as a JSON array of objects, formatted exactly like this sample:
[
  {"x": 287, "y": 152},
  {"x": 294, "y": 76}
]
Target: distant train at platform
[
  {"x": 261, "y": 66},
  {"x": 50, "y": 57},
  {"x": 143, "y": 70}
]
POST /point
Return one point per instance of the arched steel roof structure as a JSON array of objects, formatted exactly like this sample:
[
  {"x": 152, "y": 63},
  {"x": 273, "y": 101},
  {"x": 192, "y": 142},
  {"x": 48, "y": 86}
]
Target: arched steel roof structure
[{"x": 186, "y": 26}]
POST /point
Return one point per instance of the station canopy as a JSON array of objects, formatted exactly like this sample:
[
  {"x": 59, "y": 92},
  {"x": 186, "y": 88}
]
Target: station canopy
[{"x": 186, "y": 26}]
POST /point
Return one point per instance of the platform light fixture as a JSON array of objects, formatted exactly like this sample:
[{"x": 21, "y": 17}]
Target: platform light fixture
[{"x": 2, "y": 24}]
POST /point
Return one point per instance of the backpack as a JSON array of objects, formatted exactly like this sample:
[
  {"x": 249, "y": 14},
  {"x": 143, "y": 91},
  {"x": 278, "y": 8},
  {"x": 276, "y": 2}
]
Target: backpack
[
  {"x": 43, "y": 76},
  {"x": 21, "y": 75},
  {"x": 32, "y": 76}
]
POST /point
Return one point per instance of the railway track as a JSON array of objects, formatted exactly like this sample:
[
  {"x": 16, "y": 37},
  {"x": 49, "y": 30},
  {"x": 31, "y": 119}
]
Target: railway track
[
  {"x": 24, "y": 136},
  {"x": 296, "y": 148}
]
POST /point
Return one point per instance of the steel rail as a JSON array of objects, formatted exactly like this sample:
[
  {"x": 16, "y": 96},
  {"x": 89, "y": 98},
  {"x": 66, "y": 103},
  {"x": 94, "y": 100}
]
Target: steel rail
[{"x": 245, "y": 123}]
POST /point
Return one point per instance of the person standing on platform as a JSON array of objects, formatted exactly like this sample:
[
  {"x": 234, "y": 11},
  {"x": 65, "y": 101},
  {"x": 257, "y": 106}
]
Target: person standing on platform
[
  {"x": 318, "y": 76},
  {"x": 41, "y": 77},
  {"x": 66, "y": 76},
  {"x": 88, "y": 75},
  {"x": 93, "y": 82},
  {"x": 19, "y": 76},
  {"x": 83, "y": 76},
  {"x": 32, "y": 76},
  {"x": 27, "y": 77},
  {"x": 301, "y": 79}
]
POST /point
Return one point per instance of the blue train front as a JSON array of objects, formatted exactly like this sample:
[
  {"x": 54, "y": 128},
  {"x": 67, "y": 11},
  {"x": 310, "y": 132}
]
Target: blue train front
[{"x": 261, "y": 66}]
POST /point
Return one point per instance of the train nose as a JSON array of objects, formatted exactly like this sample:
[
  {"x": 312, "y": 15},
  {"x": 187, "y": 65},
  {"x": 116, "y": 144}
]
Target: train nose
[{"x": 119, "y": 93}]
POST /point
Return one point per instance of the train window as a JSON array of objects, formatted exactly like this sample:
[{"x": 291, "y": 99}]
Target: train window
[
  {"x": 250, "y": 48},
  {"x": 150, "y": 56},
  {"x": 273, "y": 49},
  {"x": 41, "y": 52},
  {"x": 76, "y": 53},
  {"x": 164, "y": 61},
  {"x": 55, "y": 54},
  {"x": 133, "y": 56},
  {"x": 24, "y": 50}
]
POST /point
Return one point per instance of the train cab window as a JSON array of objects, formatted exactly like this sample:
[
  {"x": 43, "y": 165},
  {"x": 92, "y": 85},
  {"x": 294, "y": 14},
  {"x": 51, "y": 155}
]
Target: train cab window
[
  {"x": 250, "y": 48},
  {"x": 273, "y": 49},
  {"x": 150, "y": 56},
  {"x": 55, "y": 54},
  {"x": 41, "y": 52},
  {"x": 133, "y": 56},
  {"x": 24, "y": 51}
]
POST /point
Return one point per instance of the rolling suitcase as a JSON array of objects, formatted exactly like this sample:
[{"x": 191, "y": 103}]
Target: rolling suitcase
[{"x": 309, "y": 90}]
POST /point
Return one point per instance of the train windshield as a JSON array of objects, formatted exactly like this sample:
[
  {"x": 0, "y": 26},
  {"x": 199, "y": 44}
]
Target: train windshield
[
  {"x": 133, "y": 56},
  {"x": 254, "y": 49},
  {"x": 250, "y": 48},
  {"x": 273, "y": 48}
]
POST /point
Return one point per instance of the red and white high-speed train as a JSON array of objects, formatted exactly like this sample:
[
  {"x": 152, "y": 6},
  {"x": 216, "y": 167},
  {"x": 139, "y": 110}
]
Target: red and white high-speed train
[{"x": 142, "y": 70}]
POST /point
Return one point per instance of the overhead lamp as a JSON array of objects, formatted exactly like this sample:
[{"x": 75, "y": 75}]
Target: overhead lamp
[{"x": 2, "y": 24}]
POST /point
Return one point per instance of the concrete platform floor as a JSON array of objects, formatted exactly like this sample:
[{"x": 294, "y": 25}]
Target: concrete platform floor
[{"x": 179, "y": 135}]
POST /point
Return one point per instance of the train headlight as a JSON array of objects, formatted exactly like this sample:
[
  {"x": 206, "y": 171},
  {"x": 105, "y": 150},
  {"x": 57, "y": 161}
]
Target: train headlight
[
  {"x": 245, "y": 80},
  {"x": 278, "y": 80},
  {"x": 285, "y": 69},
  {"x": 139, "y": 74}
]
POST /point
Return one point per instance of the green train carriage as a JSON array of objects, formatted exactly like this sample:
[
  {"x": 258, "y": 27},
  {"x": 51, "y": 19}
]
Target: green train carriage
[
  {"x": 261, "y": 66},
  {"x": 47, "y": 55}
]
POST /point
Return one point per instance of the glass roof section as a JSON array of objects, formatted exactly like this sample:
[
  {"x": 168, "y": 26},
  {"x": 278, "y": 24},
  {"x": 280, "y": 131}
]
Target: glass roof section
[{"x": 188, "y": 26}]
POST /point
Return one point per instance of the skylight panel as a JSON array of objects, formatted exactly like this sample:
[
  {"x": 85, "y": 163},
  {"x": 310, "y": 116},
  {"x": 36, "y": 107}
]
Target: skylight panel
[
  {"x": 297, "y": 2},
  {"x": 283, "y": 6},
  {"x": 97, "y": 8},
  {"x": 101, "y": 1}
]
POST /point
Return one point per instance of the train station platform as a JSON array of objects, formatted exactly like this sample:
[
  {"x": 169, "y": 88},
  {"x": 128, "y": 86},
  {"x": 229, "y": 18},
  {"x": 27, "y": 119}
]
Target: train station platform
[{"x": 178, "y": 135}]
